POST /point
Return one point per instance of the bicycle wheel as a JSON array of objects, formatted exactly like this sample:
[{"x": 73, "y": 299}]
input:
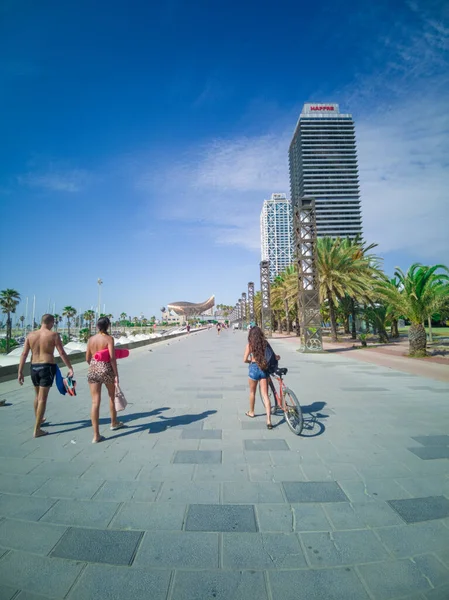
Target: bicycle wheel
[{"x": 293, "y": 412}]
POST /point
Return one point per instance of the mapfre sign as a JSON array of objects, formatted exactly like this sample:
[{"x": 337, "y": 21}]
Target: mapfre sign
[{"x": 322, "y": 108}]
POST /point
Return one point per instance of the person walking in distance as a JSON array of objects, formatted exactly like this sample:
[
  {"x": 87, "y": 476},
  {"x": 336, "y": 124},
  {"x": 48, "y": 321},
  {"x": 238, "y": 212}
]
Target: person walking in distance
[
  {"x": 42, "y": 344},
  {"x": 101, "y": 372},
  {"x": 256, "y": 356}
]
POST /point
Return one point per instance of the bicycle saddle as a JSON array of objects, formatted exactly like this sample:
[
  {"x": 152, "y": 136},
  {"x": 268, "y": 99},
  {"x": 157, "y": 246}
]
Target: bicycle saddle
[{"x": 282, "y": 371}]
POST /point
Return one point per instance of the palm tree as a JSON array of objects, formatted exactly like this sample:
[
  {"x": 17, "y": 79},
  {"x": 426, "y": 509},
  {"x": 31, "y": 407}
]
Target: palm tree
[
  {"x": 89, "y": 317},
  {"x": 22, "y": 319},
  {"x": 69, "y": 312},
  {"x": 284, "y": 291},
  {"x": 421, "y": 293},
  {"x": 9, "y": 299},
  {"x": 342, "y": 271},
  {"x": 57, "y": 321}
]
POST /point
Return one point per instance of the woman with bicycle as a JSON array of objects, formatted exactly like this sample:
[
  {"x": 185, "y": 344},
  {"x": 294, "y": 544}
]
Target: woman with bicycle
[{"x": 256, "y": 356}]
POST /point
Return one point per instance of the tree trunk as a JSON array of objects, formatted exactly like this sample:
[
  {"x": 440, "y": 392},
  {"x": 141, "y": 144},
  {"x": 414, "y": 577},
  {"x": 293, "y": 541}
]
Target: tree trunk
[
  {"x": 297, "y": 319},
  {"x": 383, "y": 335},
  {"x": 8, "y": 332},
  {"x": 353, "y": 315},
  {"x": 346, "y": 323},
  {"x": 394, "y": 328},
  {"x": 333, "y": 318},
  {"x": 417, "y": 340},
  {"x": 429, "y": 320},
  {"x": 287, "y": 317},
  {"x": 68, "y": 329}
]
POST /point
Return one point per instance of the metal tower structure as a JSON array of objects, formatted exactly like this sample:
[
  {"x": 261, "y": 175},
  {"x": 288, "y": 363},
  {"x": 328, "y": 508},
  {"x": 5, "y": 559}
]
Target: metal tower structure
[
  {"x": 244, "y": 323},
  {"x": 308, "y": 296},
  {"x": 251, "y": 301},
  {"x": 265, "y": 291}
]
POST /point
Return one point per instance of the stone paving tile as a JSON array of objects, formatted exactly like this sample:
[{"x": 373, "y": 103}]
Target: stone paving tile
[
  {"x": 209, "y": 457},
  {"x": 178, "y": 550},
  {"x": 167, "y": 473},
  {"x": 63, "y": 487},
  {"x": 120, "y": 583},
  {"x": 418, "y": 538},
  {"x": 202, "y": 434},
  {"x": 319, "y": 584},
  {"x": 219, "y": 585},
  {"x": 436, "y": 485},
  {"x": 343, "y": 548},
  {"x": 52, "y": 577},
  {"x": 62, "y": 468},
  {"x": 268, "y": 445},
  {"x": 24, "y": 507},
  {"x": 262, "y": 551},
  {"x": 277, "y": 474},
  {"x": 81, "y": 513},
  {"x": 414, "y": 510},
  {"x": 255, "y": 457},
  {"x": 432, "y": 440},
  {"x": 100, "y": 546},
  {"x": 376, "y": 489},
  {"x": 7, "y": 593},
  {"x": 432, "y": 568},
  {"x": 361, "y": 515},
  {"x": 364, "y": 389},
  {"x": 215, "y": 517},
  {"x": 111, "y": 470},
  {"x": 439, "y": 593},
  {"x": 30, "y": 596},
  {"x": 394, "y": 579},
  {"x": 291, "y": 518},
  {"x": 194, "y": 492},
  {"x": 20, "y": 484},
  {"x": 19, "y": 466},
  {"x": 149, "y": 516},
  {"x": 39, "y": 538},
  {"x": 246, "y": 492},
  {"x": 431, "y": 452},
  {"x": 314, "y": 491},
  {"x": 221, "y": 473}
]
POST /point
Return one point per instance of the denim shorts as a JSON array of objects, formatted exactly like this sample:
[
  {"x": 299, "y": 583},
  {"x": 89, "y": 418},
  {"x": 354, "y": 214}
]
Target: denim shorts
[{"x": 255, "y": 372}]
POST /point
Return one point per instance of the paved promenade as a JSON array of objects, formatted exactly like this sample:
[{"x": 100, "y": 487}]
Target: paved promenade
[{"x": 195, "y": 501}]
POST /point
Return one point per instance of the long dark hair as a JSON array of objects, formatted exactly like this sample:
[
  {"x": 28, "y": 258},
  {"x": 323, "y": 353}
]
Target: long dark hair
[
  {"x": 103, "y": 324},
  {"x": 257, "y": 345}
]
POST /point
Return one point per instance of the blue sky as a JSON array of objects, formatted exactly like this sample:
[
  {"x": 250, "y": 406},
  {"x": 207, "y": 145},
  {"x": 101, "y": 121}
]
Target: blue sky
[{"x": 139, "y": 139}]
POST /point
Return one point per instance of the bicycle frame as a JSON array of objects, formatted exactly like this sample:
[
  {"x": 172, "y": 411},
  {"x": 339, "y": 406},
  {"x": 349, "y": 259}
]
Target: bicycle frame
[{"x": 278, "y": 397}]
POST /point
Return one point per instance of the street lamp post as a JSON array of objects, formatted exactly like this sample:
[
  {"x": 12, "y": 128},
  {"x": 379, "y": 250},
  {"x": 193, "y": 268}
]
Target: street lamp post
[{"x": 100, "y": 283}]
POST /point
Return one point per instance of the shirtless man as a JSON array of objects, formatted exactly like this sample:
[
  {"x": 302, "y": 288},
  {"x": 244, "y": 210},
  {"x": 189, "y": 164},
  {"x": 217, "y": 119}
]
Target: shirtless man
[{"x": 42, "y": 344}]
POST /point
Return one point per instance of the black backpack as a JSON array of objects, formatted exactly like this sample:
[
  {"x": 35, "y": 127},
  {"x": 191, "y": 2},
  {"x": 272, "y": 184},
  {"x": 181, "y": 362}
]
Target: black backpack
[{"x": 271, "y": 359}]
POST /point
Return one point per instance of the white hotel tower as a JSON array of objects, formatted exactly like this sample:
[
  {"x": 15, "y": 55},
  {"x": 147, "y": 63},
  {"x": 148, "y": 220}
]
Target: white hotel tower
[
  {"x": 276, "y": 232},
  {"x": 323, "y": 166}
]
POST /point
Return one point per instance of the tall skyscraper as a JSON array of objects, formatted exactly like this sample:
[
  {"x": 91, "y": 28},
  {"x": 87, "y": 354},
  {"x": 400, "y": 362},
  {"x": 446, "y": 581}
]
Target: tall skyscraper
[
  {"x": 276, "y": 231},
  {"x": 323, "y": 166}
]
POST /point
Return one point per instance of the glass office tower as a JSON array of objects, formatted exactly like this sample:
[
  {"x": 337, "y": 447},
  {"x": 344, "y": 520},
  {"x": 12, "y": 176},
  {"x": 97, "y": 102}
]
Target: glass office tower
[
  {"x": 276, "y": 231},
  {"x": 323, "y": 166}
]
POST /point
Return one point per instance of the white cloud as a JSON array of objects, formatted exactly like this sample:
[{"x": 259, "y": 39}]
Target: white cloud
[
  {"x": 402, "y": 126},
  {"x": 56, "y": 180},
  {"x": 403, "y": 160}
]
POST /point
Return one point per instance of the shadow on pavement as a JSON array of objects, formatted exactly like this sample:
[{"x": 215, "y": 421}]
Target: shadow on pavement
[
  {"x": 83, "y": 423},
  {"x": 313, "y": 426},
  {"x": 169, "y": 422}
]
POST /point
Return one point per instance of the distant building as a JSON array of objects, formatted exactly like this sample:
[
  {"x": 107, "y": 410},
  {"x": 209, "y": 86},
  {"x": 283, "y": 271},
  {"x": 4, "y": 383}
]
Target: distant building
[
  {"x": 191, "y": 309},
  {"x": 323, "y": 166},
  {"x": 276, "y": 232}
]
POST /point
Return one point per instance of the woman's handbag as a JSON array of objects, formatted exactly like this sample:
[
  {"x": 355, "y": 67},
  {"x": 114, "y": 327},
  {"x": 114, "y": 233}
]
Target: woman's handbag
[{"x": 119, "y": 400}]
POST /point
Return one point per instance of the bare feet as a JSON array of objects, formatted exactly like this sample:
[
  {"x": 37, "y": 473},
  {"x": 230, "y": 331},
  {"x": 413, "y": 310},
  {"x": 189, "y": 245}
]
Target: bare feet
[
  {"x": 40, "y": 433},
  {"x": 98, "y": 440},
  {"x": 251, "y": 415}
]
